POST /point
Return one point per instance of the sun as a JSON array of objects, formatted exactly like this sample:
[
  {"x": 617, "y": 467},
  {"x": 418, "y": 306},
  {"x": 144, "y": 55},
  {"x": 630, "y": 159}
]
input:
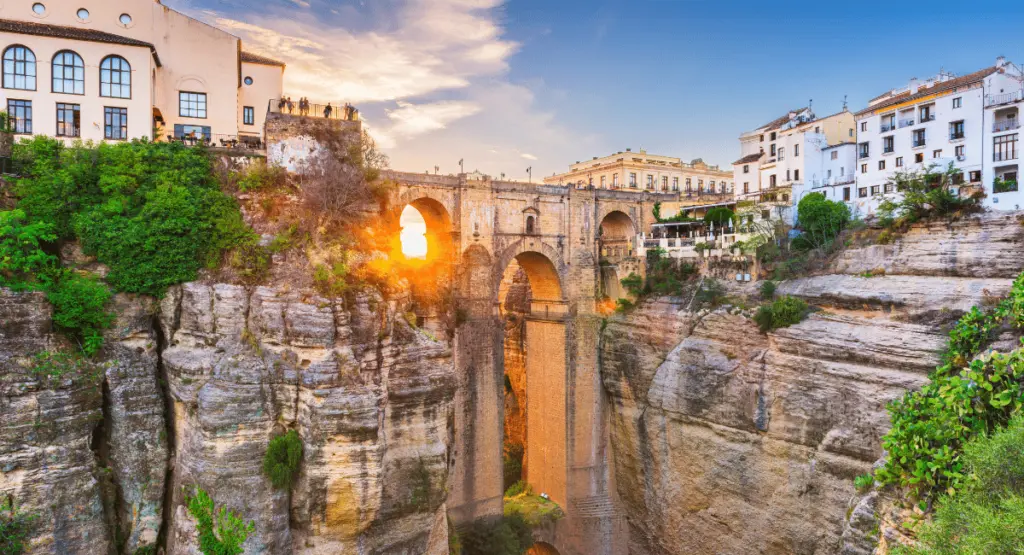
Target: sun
[{"x": 414, "y": 233}]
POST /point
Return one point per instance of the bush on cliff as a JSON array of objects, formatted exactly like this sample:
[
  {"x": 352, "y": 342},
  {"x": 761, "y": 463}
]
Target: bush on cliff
[
  {"x": 966, "y": 397},
  {"x": 924, "y": 194},
  {"x": 16, "y": 528},
  {"x": 509, "y": 535},
  {"x": 282, "y": 459},
  {"x": 151, "y": 212},
  {"x": 820, "y": 220},
  {"x": 220, "y": 532},
  {"x": 987, "y": 516},
  {"x": 781, "y": 313}
]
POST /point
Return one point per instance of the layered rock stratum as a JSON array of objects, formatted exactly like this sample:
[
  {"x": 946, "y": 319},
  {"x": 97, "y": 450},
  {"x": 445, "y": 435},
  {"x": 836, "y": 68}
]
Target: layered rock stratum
[{"x": 730, "y": 441}]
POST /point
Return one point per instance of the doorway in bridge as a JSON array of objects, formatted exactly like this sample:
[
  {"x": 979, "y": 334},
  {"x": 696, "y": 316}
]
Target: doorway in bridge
[
  {"x": 534, "y": 452},
  {"x": 422, "y": 251},
  {"x": 616, "y": 241}
]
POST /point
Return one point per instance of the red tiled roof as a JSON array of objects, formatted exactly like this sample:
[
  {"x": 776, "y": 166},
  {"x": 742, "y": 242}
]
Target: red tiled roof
[
  {"x": 749, "y": 158},
  {"x": 73, "y": 33},
  {"x": 251, "y": 58},
  {"x": 934, "y": 89}
]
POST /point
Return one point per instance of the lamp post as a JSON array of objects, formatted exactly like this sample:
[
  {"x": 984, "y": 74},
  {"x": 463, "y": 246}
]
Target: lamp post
[{"x": 529, "y": 173}]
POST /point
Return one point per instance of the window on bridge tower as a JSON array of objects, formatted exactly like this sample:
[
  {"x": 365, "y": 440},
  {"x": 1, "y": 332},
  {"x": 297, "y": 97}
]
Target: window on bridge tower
[{"x": 529, "y": 225}]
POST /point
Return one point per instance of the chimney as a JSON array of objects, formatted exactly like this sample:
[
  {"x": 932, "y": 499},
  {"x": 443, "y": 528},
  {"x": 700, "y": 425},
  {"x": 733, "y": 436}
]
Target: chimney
[
  {"x": 1000, "y": 62},
  {"x": 792, "y": 115},
  {"x": 914, "y": 86}
]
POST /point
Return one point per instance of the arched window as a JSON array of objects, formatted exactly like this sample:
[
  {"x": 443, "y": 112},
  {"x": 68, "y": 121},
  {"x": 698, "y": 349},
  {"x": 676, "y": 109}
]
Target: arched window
[
  {"x": 529, "y": 225},
  {"x": 19, "y": 68},
  {"x": 115, "y": 77},
  {"x": 68, "y": 73}
]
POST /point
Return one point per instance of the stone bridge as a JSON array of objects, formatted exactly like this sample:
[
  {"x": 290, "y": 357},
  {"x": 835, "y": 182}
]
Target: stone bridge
[{"x": 557, "y": 236}]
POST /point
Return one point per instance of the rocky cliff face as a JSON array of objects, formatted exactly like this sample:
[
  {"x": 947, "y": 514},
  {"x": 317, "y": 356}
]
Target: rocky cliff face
[
  {"x": 189, "y": 392},
  {"x": 729, "y": 441}
]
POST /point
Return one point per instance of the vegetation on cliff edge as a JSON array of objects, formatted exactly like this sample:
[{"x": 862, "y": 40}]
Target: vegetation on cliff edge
[{"x": 221, "y": 532}]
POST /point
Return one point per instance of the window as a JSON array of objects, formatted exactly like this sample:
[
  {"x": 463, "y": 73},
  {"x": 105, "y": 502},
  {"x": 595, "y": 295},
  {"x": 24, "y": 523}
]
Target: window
[
  {"x": 851, "y": 131},
  {"x": 881, "y": 164},
  {"x": 956, "y": 130},
  {"x": 782, "y": 153},
  {"x": 773, "y": 135},
  {"x": 919, "y": 137},
  {"x": 206, "y": 132},
  {"x": 650, "y": 181},
  {"x": 69, "y": 120},
  {"x": 20, "y": 112},
  {"x": 796, "y": 175},
  {"x": 835, "y": 155},
  {"x": 863, "y": 126},
  {"x": 38, "y": 8},
  {"x": 863, "y": 168},
  {"x": 937, "y": 153},
  {"x": 864, "y": 150},
  {"x": 632, "y": 179},
  {"x": 247, "y": 80},
  {"x": 787, "y": 176},
  {"x": 842, "y": 170},
  {"x": 899, "y": 161},
  {"x": 615, "y": 180},
  {"x": 687, "y": 184},
  {"x": 862, "y": 192},
  {"x": 604, "y": 178},
  {"x": 115, "y": 77},
  {"x": 919, "y": 157},
  {"x": 888, "y": 144},
  {"x": 192, "y": 105},
  {"x": 19, "y": 68},
  {"x": 675, "y": 183},
  {"x": 888, "y": 188},
  {"x": 846, "y": 193},
  {"x": 957, "y": 102},
  {"x": 817, "y": 129},
  {"x": 529, "y": 225},
  {"x": 975, "y": 176},
  {"x": 746, "y": 169},
  {"x": 773, "y": 150},
  {"x": 771, "y": 180},
  {"x": 115, "y": 123},
  {"x": 249, "y": 118},
  {"x": 83, "y": 14},
  {"x": 875, "y": 190},
  {"x": 700, "y": 184},
  {"x": 959, "y": 151},
  {"x": 125, "y": 19},
  {"x": 68, "y": 73},
  {"x": 785, "y": 197},
  {"x": 926, "y": 113},
  {"x": 746, "y": 187},
  {"x": 1005, "y": 148},
  {"x": 796, "y": 150},
  {"x": 958, "y": 178},
  {"x": 664, "y": 183}
]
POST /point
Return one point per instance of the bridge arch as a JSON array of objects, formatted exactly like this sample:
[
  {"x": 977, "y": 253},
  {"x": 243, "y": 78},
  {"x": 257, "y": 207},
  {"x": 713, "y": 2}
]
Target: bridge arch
[
  {"x": 542, "y": 548},
  {"x": 543, "y": 265}
]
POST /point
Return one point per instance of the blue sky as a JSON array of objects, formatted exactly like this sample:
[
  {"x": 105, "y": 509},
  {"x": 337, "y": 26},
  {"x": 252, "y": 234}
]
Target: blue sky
[{"x": 543, "y": 83}]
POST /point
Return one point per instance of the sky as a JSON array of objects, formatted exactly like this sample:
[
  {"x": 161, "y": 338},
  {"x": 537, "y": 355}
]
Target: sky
[{"x": 507, "y": 85}]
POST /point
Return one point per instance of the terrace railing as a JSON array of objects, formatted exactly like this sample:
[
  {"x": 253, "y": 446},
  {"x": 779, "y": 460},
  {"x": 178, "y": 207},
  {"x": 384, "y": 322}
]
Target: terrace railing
[{"x": 292, "y": 107}]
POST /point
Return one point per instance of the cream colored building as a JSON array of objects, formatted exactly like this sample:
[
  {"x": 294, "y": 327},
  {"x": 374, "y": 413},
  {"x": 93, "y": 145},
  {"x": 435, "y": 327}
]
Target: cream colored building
[
  {"x": 641, "y": 171},
  {"x": 103, "y": 70}
]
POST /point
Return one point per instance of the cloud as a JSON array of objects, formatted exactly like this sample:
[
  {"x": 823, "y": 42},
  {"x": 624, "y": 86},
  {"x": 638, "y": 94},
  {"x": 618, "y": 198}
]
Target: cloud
[
  {"x": 528, "y": 156},
  {"x": 421, "y": 47},
  {"x": 301, "y": 3}
]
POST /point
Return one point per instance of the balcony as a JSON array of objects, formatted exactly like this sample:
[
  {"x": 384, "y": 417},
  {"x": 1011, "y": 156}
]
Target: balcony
[
  {"x": 925, "y": 118},
  {"x": 919, "y": 142},
  {"x": 1006, "y": 98},
  {"x": 1005, "y": 125},
  {"x": 344, "y": 112},
  {"x": 886, "y": 127},
  {"x": 906, "y": 122},
  {"x": 864, "y": 154},
  {"x": 1004, "y": 156},
  {"x": 956, "y": 136},
  {"x": 1001, "y": 186}
]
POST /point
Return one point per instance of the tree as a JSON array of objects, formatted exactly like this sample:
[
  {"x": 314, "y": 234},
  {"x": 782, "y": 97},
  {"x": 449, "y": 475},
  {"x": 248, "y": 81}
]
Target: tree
[
  {"x": 924, "y": 194},
  {"x": 336, "y": 180},
  {"x": 719, "y": 215},
  {"x": 821, "y": 220}
]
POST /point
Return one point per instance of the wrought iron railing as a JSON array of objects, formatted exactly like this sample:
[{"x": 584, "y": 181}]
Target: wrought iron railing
[
  {"x": 1005, "y": 98},
  {"x": 906, "y": 122},
  {"x": 344, "y": 112},
  {"x": 1005, "y": 125}
]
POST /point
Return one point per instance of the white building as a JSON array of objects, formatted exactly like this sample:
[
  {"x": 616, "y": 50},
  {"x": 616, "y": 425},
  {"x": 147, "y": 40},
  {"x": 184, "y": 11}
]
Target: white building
[
  {"x": 831, "y": 170},
  {"x": 1001, "y": 168},
  {"x": 102, "y": 70},
  {"x": 934, "y": 122},
  {"x": 783, "y": 159}
]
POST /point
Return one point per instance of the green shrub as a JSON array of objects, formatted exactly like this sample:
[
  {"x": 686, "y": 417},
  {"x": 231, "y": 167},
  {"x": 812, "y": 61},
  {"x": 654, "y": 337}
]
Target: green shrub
[
  {"x": 719, "y": 215},
  {"x": 821, "y": 220},
  {"x": 509, "y": 535},
  {"x": 331, "y": 281},
  {"x": 79, "y": 303},
  {"x": 781, "y": 313},
  {"x": 151, "y": 212},
  {"x": 56, "y": 366},
  {"x": 220, "y": 532},
  {"x": 864, "y": 482},
  {"x": 16, "y": 527},
  {"x": 924, "y": 194},
  {"x": 22, "y": 258},
  {"x": 966, "y": 397},
  {"x": 623, "y": 305},
  {"x": 768, "y": 289},
  {"x": 260, "y": 175},
  {"x": 518, "y": 488},
  {"x": 512, "y": 463},
  {"x": 633, "y": 283},
  {"x": 282, "y": 459},
  {"x": 252, "y": 262},
  {"x": 987, "y": 515}
]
